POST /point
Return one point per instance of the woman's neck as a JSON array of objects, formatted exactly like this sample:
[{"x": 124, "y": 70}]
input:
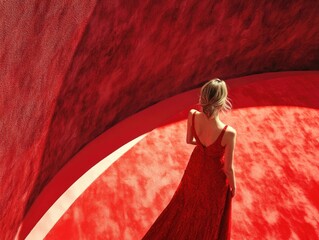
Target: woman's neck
[{"x": 214, "y": 118}]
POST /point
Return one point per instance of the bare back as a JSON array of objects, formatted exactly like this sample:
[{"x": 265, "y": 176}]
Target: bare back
[{"x": 207, "y": 129}]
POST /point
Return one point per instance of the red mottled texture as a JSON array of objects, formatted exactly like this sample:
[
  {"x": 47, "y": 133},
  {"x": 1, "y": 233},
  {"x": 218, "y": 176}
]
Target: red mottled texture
[
  {"x": 38, "y": 39},
  {"x": 72, "y": 69},
  {"x": 276, "y": 166}
]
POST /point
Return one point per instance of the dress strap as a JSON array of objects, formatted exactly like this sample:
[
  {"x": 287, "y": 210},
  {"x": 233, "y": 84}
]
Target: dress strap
[{"x": 222, "y": 133}]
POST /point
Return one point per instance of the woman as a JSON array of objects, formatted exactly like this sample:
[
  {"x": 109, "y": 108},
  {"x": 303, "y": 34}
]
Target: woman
[{"x": 201, "y": 206}]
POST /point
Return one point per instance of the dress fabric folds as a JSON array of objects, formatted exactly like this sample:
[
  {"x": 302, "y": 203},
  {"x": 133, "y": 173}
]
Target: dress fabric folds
[{"x": 200, "y": 208}]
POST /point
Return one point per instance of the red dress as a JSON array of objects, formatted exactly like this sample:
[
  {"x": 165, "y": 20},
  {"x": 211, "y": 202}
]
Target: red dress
[{"x": 200, "y": 209}]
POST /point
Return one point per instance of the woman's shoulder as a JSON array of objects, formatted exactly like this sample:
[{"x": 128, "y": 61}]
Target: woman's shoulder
[
  {"x": 192, "y": 111},
  {"x": 231, "y": 131},
  {"x": 229, "y": 136}
]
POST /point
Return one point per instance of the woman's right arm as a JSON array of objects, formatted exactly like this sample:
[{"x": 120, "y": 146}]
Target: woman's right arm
[
  {"x": 229, "y": 156},
  {"x": 189, "y": 135}
]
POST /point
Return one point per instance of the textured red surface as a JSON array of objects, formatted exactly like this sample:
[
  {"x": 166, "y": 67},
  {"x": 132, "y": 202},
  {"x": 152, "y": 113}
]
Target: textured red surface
[
  {"x": 276, "y": 168},
  {"x": 70, "y": 70},
  {"x": 38, "y": 39}
]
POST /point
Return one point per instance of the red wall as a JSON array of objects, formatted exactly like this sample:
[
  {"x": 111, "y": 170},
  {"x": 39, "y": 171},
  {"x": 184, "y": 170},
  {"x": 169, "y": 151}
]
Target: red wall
[{"x": 70, "y": 70}]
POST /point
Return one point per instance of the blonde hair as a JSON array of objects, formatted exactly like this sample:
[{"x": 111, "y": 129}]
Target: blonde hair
[{"x": 213, "y": 97}]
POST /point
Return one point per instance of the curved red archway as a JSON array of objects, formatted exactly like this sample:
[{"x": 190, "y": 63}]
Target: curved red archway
[
  {"x": 276, "y": 105},
  {"x": 71, "y": 70}
]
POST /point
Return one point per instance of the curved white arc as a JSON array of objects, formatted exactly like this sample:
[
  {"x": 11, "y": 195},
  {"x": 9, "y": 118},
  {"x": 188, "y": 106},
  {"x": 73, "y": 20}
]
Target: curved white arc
[{"x": 56, "y": 211}]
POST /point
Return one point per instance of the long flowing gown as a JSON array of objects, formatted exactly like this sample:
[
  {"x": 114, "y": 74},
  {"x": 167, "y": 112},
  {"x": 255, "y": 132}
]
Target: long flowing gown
[{"x": 200, "y": 208}]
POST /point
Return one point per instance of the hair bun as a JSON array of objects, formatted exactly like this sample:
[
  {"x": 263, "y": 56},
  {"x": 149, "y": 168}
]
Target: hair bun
[{"x": 214, "y": 97}]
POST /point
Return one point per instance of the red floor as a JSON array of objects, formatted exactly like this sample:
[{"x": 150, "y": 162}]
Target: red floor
[{"x": 276, "y": 162}]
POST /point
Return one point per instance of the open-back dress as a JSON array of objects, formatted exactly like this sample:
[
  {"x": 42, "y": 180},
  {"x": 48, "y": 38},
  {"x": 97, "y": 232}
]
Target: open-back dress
[{"x": 200, "y": 208}]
